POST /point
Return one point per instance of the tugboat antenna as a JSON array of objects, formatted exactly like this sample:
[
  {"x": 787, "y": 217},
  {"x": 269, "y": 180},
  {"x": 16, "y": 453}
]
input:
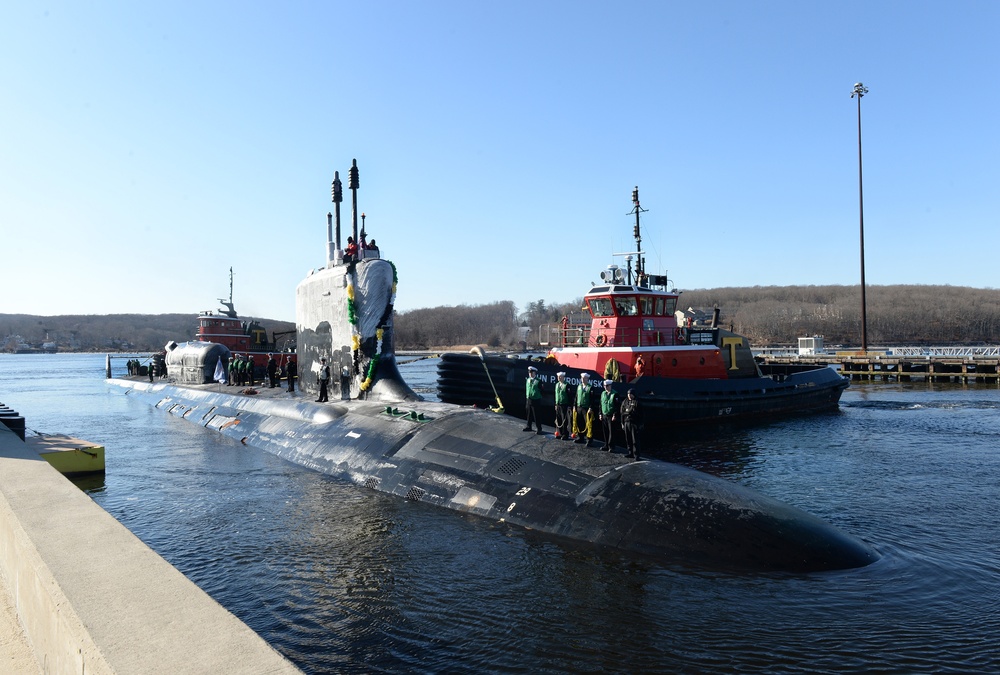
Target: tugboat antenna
[
  {"x": 640, "y": 262},
  {"x": 229, "y": 311}
]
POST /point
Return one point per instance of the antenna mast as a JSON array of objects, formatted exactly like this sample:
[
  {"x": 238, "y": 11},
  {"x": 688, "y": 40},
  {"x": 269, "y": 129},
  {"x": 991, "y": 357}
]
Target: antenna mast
[{"x": 640, "y": 262}]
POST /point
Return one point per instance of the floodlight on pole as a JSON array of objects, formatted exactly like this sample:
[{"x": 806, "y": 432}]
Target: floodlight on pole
[{"x": 859, "y": 91}]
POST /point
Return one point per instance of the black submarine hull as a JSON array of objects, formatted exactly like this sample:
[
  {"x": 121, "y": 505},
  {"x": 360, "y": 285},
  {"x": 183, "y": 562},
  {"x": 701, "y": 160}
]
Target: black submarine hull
[{"x": 481, "y": 463}]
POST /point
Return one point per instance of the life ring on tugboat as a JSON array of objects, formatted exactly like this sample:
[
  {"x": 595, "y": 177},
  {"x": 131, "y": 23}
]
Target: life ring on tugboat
[
  {"x": 601, "y": 340},
  {"x": 680, "y": 335}
]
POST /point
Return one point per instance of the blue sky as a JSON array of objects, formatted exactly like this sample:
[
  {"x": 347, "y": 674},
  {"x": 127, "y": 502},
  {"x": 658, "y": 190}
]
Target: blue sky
[{"x": 147, "y": 147}]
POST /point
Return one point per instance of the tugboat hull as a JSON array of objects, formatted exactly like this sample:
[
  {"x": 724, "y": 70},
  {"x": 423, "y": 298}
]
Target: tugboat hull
[{"x": 668, "y": 402}]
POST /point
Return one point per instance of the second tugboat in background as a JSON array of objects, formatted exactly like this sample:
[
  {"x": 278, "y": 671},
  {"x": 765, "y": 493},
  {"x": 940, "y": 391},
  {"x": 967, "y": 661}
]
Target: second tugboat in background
[
  {"x": 225, "y": 333},
  {"x": 637, "y": 339}
]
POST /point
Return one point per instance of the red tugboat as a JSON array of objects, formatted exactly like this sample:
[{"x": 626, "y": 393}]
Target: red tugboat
[
  {"x": 681, "y": 371},
  {"x": 220, "y": 335}
]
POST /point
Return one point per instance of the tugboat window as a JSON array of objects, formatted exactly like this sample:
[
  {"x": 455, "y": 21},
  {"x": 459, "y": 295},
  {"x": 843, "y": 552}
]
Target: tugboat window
[
  {"x": 659, "y": 307},
  {"x": 601, "y": 307},
  {"x": 646, "y": 304},
  {"x": 626, "y": 306}
]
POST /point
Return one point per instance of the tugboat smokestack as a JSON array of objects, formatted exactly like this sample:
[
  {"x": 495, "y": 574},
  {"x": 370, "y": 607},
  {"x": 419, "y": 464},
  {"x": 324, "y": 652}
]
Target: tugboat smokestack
[{"x": 353, "y": 185}]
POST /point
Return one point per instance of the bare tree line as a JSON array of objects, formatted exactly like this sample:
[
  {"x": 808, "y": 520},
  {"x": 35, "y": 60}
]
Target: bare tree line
[
  {"x": 768, "y": 315},
  {"x": 899, "y": 314}
]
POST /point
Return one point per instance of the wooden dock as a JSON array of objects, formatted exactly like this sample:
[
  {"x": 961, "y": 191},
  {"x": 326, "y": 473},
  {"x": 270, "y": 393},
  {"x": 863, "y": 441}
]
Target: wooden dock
[{"x": 889, "y": 367}]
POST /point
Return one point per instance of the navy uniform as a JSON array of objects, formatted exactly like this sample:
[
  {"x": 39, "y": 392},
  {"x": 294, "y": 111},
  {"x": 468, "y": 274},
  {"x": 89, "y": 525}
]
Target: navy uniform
[
  {"x": 532, "y": 395},
  {"x": 631, "y": 412},
  {"x": 324, "y": 381},
  {"x": 609, "y": 411},
  {"x": 272, "y": 371},
  {"x": 563, "y": 401}
]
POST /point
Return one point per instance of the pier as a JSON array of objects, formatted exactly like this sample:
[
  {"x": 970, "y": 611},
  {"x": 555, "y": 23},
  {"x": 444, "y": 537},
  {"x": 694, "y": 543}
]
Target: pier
[
  {"x": 895, "y": 364},
  {"x": 79, "y": 593}
]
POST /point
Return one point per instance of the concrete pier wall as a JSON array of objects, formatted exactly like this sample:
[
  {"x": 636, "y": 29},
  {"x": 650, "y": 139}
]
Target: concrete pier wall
[{"x": 92, "y": 598}]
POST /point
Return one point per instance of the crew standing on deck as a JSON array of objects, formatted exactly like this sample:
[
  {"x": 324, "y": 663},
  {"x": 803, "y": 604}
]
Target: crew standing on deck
[
  {"x": 250, "y": 367},
  {"x": 631, "y": 412},
  {"x": 532, "y": 395},
  {"x": 324, "y": 381},
  {"x": 583, "y": 413},
  {"x": 563, "y": 402},
  {"x": 272, "y": 372},
  {"x": 291, "y": 370},
  {"x": 609, "y": 412}
]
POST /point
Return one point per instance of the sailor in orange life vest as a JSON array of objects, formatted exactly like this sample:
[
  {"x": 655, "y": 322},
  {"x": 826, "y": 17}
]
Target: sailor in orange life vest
[
  {"x": 640, "y": 367},
  {"x": 532, "y": 395},
  {"x": 351, "y": 252}
]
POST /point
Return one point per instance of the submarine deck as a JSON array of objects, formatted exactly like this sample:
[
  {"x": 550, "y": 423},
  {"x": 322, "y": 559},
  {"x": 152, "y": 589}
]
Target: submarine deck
[{"x": 591, "y": 461}]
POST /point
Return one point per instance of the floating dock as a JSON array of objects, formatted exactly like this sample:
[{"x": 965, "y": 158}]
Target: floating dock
[{"x": 70, "y": 456}]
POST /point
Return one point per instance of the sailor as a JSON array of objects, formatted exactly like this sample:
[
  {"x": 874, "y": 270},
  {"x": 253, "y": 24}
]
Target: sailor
[
  {"x": 250, "y": 367},
  {"x": 291, "y": 370},
  {"x": 351, "y": 252},
  {"x": 233, "y": 370},
  {"x": 609, "y": 409},
  {"x": 583, "y": 413},
  {"x": 532, "y": 395},
  {"x": 149, "y": 369},
  {"x": 324, "y": 381},
  {"x": 272, "y": 371},
  {"x": 563, "y": 402},
  {"x": 631, "y": 412},
  {"x": 640, "y": 367}
]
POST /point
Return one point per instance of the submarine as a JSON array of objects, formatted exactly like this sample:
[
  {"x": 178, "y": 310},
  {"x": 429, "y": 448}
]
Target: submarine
[{"x": 377, "y": 433}]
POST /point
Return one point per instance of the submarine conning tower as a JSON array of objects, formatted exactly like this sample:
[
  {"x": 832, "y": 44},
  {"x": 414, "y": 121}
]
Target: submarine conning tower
[{"x": 344, "y": 312}]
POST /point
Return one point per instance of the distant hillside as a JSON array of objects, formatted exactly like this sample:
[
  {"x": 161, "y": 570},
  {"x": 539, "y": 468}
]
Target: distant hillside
[
  {"x": 109, "y": 332},
  {"x": 768, "y": 315},
  {"x": 921, "y": 314}
]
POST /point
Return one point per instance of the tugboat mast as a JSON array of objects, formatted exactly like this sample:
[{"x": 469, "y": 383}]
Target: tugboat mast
[
  {"x": 640, "y": 262},
  {"x": 229, "y": 311}
]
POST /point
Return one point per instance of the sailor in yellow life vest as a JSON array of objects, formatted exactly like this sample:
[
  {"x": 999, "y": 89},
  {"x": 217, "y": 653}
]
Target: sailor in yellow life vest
[{"x": 583, "y": 413}]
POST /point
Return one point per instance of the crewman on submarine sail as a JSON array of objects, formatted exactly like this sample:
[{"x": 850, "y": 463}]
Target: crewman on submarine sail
[{"x": 532, "y": 396}]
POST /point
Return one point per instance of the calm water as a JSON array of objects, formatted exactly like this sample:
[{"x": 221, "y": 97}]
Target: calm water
[{"x": 341, "y": 579}]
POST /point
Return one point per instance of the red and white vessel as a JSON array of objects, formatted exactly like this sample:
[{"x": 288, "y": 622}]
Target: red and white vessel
[{"x": 634, "y": 335}]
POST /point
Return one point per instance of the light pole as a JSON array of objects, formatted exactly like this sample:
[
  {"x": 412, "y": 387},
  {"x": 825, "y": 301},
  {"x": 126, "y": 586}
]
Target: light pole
[{"x": 859, "y": 91}]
